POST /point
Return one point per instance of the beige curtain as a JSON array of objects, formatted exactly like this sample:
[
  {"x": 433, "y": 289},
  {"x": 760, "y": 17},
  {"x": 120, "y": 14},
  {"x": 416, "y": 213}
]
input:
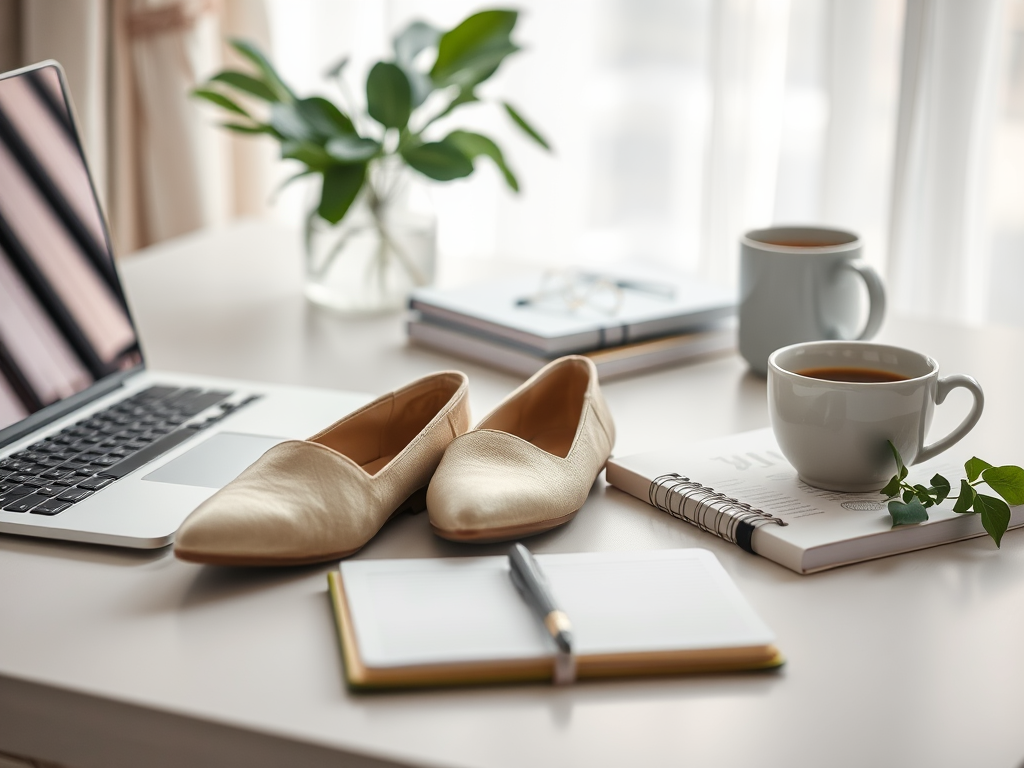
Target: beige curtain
[{"x": 158, "y": 159}]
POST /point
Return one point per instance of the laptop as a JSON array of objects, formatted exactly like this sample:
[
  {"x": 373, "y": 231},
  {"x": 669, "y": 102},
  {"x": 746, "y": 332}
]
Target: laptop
[{"x": 93, "y": 446}]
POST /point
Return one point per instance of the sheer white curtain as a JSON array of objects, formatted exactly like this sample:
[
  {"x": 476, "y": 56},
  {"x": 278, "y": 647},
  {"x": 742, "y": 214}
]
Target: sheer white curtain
[{"x": 678, "y": 124}]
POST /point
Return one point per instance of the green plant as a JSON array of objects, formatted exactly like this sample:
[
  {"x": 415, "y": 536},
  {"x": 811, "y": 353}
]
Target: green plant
[
  {"x": 909, "y": 503},
  {"x": 339, "y": 143}
]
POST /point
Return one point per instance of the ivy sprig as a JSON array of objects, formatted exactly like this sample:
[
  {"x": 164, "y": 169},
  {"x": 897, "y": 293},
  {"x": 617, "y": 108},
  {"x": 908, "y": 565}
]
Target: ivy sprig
[{"x": 909, "y": 502}]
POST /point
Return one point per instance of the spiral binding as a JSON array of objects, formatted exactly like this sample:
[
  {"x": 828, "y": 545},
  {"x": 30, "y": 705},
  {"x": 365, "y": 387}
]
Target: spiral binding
[{"x": 711, "y": 511}]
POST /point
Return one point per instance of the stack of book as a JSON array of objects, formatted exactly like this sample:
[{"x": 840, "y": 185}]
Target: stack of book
[{"x": 623, "y": 325}]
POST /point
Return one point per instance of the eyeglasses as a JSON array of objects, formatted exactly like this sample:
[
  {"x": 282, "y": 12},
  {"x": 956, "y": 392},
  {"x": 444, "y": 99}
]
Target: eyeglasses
[{"x": 574, "y": 290}]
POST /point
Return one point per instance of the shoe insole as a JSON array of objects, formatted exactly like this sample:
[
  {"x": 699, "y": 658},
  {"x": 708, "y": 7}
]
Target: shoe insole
[
  {"x": 557, "y": 441},
  {"x": 373, "y": 467}
]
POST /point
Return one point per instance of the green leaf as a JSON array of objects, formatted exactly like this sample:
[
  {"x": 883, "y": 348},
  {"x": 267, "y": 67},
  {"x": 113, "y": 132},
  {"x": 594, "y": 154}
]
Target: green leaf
[
  {"x": 287, "y": 121},
  {"x": 472, "y": 51},
  {"x": 308, "y": 152},
  {"x": 908, "y": 494},
  {"x": 941, "y": 488},
  {"x": 220, "y": 100},
  {"x": 409, "y": 43},
  {"x": 388, "y": 95},
  {"x": 532, "y": 133},
  {"x": 252, "y": 129},
  {"x": 270, "y": 76},
  {"x": 1007, "y": 481},
  {"x": 924, "y": 496},
  {"x": 413, "y": 40},
  {"x": 473, "y": 145},
  {"x": 352, "y": 149},
  {"x": 324, "y": 117},
  {"x": 965, "y": 500},
  {"x": 439, "y": 160},
  {"x": 341, "y": 185},
  {"x": 907, "y": 514},
  {"x": 975, "y": 467},
  {"x": 901, "y": 470},
  {"x": 995, "y": 515},
  {"x": 893, "y": 488},
  {"x": 246, "y": 83}
]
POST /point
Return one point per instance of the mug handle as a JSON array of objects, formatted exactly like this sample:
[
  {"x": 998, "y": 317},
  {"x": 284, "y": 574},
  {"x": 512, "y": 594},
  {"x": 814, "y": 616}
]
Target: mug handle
[
  {"x": 876, "y": 297},
  {"x": 943, "y": 388}
]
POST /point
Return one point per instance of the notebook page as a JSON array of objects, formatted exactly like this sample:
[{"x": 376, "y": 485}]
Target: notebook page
[{"x": 412, "y": 612}]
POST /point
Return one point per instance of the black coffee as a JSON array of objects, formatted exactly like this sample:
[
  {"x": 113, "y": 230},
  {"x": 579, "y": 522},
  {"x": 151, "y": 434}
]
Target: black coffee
[{"x": 858, "y": 375}]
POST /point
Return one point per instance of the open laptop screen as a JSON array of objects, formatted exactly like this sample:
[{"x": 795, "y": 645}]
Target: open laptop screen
[{"x": 64, "y": 324}]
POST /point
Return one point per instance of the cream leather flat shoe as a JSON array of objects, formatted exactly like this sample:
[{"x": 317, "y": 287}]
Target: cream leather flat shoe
[
  {"x": 305, "y": 501},
  {"x": 529, "y": 465}
]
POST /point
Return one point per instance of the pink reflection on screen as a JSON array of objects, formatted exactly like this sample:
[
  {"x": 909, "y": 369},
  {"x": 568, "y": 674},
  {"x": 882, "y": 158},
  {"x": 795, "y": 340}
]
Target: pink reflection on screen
[
  {"x": 11, "y": 409},
  {"x": 52, "y": 147},
  {"x": 91, "y": 302},
  {"x": 45, "y": 359}
]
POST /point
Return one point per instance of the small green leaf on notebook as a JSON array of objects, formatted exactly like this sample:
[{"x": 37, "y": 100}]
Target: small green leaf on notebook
[{"x": 907, "y": 513}]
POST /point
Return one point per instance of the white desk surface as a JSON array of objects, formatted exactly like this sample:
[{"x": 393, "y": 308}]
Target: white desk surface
[{"x": 116, "y": 658}]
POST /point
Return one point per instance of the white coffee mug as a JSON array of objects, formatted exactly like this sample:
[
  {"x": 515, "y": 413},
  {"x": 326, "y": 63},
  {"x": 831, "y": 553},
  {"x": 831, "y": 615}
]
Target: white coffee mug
[
  {"x": 801, "y": 284},
  {"x": 835, "y": 433}
]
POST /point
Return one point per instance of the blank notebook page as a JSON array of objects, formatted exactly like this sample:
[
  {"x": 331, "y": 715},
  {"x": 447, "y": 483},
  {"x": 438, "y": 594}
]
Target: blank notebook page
[{"x": 414, "y": 612}]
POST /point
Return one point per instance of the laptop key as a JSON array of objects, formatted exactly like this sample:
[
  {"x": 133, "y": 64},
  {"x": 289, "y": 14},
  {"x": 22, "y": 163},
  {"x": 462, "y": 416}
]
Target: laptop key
[
  {"x": 95, "y": 483},
  {"x": 50, "y": 490},
  {"x": 19, "y": 478},
  {"x": 50, "y": 507},
  {"x": 15, "y": 493},
  {"x": 25, "y": 503},
  {"x": 54, "y": 474},
  {"x": 74, "y": 494},
  {"x": 154, "y": 393}
]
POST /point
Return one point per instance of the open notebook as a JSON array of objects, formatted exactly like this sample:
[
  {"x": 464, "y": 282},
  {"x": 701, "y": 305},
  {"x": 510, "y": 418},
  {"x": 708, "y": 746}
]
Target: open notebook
[
  {"x": 461, "y": 621},
  {"x": 741, "y": 489}
]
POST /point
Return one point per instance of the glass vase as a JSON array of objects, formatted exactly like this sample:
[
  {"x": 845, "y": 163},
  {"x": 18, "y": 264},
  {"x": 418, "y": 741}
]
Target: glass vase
[{"x": 385, "y": 245}]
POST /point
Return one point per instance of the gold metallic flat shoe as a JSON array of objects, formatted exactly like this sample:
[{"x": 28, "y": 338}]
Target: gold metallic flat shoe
[
  {"x": 306, "y": 501},
  {"x": 529, "y": 465}
]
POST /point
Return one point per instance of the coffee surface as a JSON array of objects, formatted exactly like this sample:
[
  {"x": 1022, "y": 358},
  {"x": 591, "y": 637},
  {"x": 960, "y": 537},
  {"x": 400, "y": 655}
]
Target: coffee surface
[{"x": 858, "y": 375}]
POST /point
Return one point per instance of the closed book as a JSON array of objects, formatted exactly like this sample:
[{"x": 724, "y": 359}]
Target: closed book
[
  {"x": 457, "y": 621},
  {"x": 611, "y": 362},
  {"x": 522, "y": 311},
  {"x": 741, "y": 489}
]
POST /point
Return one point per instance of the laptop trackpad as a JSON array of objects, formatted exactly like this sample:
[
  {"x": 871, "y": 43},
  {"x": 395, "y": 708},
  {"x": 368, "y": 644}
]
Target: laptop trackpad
[{"x": 215, "y": 462}]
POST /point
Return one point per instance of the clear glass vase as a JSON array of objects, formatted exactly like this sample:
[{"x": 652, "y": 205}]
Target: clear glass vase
[{"x": 384, "y": 247}]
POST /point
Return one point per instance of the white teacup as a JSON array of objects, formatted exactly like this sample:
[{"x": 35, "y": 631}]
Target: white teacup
[{"x": 835, "y": 432}]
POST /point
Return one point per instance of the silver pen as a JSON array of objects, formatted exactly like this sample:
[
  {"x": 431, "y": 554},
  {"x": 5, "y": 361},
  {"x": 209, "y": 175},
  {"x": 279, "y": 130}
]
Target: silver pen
[{"x": 529, "y": 580}]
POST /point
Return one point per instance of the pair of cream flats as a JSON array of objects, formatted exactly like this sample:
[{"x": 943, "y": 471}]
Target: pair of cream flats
[{"x": 526, "y": 468}]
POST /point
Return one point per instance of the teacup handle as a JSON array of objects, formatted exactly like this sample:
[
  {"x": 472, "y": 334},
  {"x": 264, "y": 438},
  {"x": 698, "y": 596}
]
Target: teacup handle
[
  {"x": 943, "y": 388},
  {"x": 876, "y": 297}
]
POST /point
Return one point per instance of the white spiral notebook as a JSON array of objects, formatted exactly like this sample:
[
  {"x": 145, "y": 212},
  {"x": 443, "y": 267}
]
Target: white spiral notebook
[{"x": 741, "y": 489}]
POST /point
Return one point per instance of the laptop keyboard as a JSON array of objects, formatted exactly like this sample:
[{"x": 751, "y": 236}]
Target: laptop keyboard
[{"x": 49, "y": 476}]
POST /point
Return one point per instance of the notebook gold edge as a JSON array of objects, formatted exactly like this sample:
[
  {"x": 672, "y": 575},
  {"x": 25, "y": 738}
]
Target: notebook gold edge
[{"x": 531, "y": 670}]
